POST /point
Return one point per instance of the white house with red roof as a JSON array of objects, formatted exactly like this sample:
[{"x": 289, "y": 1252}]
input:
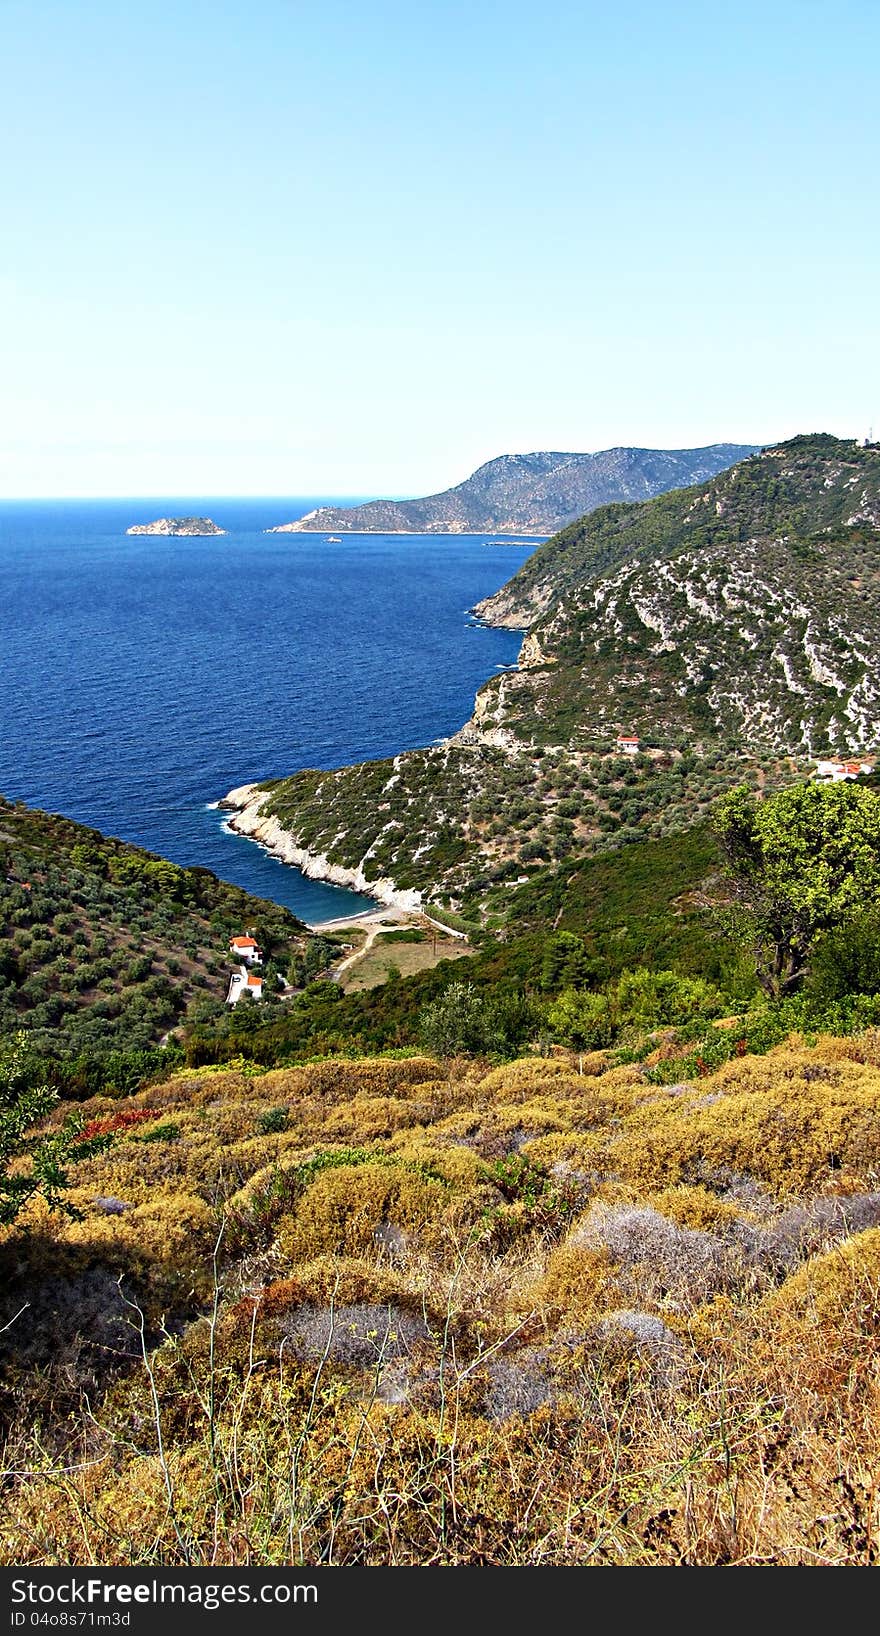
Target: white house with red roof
[
  {"x": 246, "y": 948},
  {"x": 627, "y": 744},
  {"x": 835, "y": 771},
  {"x": 244, "y": 982}
]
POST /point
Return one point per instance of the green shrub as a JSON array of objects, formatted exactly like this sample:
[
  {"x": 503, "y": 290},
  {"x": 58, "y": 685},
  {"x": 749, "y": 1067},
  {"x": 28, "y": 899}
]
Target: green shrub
[
  {"x": 465, "y": 1018},
  {"x": 846, "y": 961},
  {"x": 586, "y": 1022},
  {"x": 273, "y": 1121},
  {"x": 652, "y": 999},
  {"x": 167, "y": 1132}
]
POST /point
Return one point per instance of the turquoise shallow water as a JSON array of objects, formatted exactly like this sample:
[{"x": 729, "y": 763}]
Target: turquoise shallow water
[{"x": 142, "y": 677}]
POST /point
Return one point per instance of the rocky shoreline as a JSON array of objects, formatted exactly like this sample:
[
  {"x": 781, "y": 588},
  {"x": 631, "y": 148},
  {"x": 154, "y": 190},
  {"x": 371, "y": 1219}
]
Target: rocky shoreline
[{"x": 247, "y": 802}]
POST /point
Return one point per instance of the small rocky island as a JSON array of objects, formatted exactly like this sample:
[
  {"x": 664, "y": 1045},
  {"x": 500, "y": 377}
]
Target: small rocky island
[{"x": 177, "y": 525}]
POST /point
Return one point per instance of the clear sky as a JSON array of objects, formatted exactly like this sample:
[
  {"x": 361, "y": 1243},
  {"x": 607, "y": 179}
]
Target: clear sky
[{"x": 360, "y": 246}]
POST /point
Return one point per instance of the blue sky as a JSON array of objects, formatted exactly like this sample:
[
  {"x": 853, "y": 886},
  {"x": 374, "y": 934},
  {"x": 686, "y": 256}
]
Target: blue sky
[{"x": 358, "y": 248}]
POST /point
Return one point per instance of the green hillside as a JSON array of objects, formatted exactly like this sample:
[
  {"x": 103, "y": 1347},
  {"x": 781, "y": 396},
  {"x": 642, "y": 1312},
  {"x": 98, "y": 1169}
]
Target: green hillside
[
  {"x": 811, "y": 485},
  {"x": 105, "y": 947},
  {"x": 645, "y": 906}
]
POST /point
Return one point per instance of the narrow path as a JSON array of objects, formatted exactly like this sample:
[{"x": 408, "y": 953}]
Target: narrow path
[
  {"x": 448, "y": 931},
  {"x": 351, "y": 959}
]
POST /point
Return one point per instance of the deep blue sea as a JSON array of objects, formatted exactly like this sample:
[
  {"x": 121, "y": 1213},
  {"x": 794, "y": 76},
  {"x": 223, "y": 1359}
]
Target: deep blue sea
[{"x": 141, "y": 677}]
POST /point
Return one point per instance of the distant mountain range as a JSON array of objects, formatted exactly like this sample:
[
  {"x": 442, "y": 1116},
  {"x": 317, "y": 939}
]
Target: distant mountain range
[{"x": 530, "y": 493}]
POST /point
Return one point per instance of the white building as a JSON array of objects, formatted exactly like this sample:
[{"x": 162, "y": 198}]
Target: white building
[
  {"x": 627, "y": 745},
  {"x": 836, "y": 772},
  {"x": 245, "y": 948},
  {"x": 244, "y": 982}
]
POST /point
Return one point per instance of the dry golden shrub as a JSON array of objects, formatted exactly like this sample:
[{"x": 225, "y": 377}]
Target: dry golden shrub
[
  {"x": 693, "y": 1207},
  {"x": 707, "y": 1322},
  {"x": 531, "y": 1075},
  {"x": 784, "y": 1120},
  {"x": 749, "y": 1434},
  {"x": 863, "y": 1047},
  {"x": 344, "y": 1208},
  {"x": 536, "y": 1077},
  {"x": 133, "y": 1170},
  {"x": 524, "y": 1118},
  {"x": 338, "y": 1078},
  {"x": 461, "y": 1167},
  {"x": 366, "y": 1119},
  {"x": 576, "y": 1151},
  {"x": 577, "y": 1286},
  {"x": 169, "y": 1228},
  {"x": 835, "y": 1292},
  {"x": 137, "y": 1502},
  {"x": 194, "y": 1088},
  {"x": 337, "y": 1279},
  {"x": 817, "y": 1338}
]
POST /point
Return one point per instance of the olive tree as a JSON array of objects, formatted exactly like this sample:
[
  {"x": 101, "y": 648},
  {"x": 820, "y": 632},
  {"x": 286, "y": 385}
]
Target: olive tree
[{"x": 465, "y": 1019}]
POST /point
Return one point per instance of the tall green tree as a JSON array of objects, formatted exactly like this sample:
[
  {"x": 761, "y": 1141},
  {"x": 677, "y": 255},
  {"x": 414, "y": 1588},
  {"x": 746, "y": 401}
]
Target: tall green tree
[
  {"x": 799, "y": 864},
  {"x": 566, "y": 963}
]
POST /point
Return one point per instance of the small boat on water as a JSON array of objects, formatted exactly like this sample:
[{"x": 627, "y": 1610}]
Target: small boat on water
[{"x": 334, "y": 539}]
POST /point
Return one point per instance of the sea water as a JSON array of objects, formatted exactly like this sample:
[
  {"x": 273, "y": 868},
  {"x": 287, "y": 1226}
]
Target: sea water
[{"x": 141, "y": 677}]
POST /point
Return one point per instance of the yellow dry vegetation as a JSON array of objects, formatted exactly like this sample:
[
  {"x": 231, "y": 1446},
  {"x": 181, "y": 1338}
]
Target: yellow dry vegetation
[
  {"x": 824, "y": 1321},
  {"x": 399, "y": 1310},
  {"x": 345, "y": 1209},
  {"x": 789, "y": 1120}
]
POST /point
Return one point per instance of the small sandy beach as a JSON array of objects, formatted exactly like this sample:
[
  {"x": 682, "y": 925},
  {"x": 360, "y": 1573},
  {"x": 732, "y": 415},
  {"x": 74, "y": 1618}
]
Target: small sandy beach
[{"x": 387, "y": 916}]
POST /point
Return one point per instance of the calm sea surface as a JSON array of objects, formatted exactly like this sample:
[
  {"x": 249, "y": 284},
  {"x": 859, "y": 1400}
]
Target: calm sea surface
[{"x": 141, "y": 678}]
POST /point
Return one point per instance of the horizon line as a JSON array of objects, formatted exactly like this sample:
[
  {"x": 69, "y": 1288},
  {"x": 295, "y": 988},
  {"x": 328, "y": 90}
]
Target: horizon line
[{"x": 36, "y": 499}]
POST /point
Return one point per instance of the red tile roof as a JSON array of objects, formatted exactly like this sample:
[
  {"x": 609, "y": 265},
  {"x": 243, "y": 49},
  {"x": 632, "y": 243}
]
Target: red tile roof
[{"x": 242, "y": 943}]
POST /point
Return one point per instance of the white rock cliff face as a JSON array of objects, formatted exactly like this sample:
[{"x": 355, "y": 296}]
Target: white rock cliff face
[
  {"x": 248, "y": 801},
  {"x": 531, "y": 654},
  {"x": 514, "y": 609}
]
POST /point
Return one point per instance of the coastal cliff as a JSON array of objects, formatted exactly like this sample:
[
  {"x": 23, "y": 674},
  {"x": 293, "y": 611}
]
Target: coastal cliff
[
  {"x": 249, "y": 802},
  {"x": 182, "y": 527}
]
